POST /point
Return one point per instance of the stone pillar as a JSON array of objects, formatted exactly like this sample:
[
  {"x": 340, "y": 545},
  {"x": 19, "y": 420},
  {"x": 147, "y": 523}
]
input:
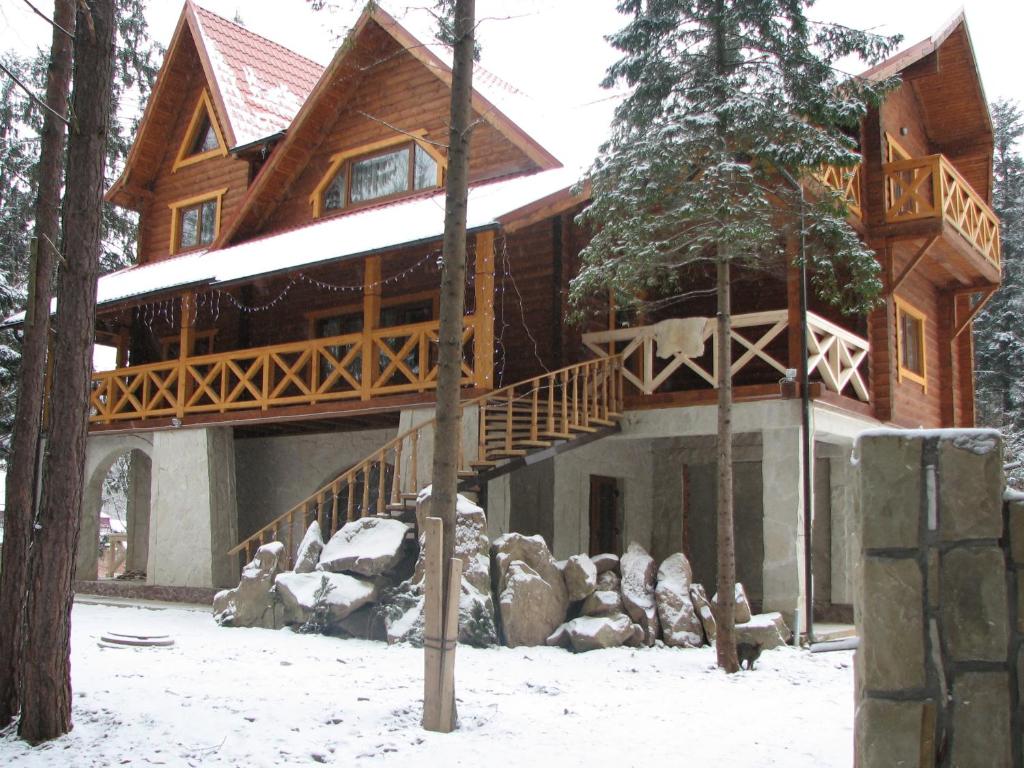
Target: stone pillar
[
  {"x": 139, "y": 491},
  {"x": 783, "y": 498},
  {"x": 939, "y": 660},
  {"x": 193, "y": 514}
]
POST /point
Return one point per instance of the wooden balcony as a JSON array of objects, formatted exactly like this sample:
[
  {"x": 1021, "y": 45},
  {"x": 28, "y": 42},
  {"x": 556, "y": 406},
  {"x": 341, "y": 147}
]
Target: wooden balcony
[
  {"x": 358, "y": 366},
  {"x": 929, "y": 190},
  {"x": 847, "y": 182},
  {"x": 836, "y": 356}
]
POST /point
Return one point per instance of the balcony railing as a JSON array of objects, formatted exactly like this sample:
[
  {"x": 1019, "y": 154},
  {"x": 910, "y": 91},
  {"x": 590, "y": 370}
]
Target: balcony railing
[
  {"x": 386, "y": 361},
  {"x": 836, "y": 355},
  {"x": 847, "y": 181},
  {"x": 931, "y": 188}
]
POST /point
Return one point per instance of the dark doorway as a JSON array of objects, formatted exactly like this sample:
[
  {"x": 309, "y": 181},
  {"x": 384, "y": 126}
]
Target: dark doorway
[{"x": 605, "y": 528}]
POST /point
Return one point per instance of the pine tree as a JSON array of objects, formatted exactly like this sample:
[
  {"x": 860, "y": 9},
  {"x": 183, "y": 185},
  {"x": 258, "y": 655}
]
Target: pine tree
[
  {"x": 730, "y": 103},
  {"x": 999, "y": 329}
]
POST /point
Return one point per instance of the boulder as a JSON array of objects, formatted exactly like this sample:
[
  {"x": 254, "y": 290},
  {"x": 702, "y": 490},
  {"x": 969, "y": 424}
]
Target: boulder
[
  {"x": 403, "y": 617},
  {"x": 531, "y": 609},
  {"x": 253, "y": 602},
  {"x": 703, "y": 608},
  {"x": 311, "y": 546},
  {"x": 605, "y": 562},
  {"x": 559, "y": 638},
  {"x": 532, "y": 553},
  {"x": 363, "y": 624},
  {"x": 766, "y": 629},
  {"x": 580, "y": 577},
  {"x": 345, "y": 594},
  {"x": 602, "y": 602},
  {"x": 680, "y": 624},
  {"x": 609, "y": 581},
  {"x": 591, "y": 633},
  {"x": 638, "y": 572},
  {"x": 471, "y": 543},
  {"x": 369, "y": 546},
  {"x": 743, "y": 613}
]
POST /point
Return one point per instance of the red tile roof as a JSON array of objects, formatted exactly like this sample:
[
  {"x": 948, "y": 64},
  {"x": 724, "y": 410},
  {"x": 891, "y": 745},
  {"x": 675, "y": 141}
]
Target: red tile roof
[{"x": 262, "y": 84}]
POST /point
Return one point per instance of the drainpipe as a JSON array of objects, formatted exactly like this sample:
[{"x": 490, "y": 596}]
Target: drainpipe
[{"x": 805, "y": 423}]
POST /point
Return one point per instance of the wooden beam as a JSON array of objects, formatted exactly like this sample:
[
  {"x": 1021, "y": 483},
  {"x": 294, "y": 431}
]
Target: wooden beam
[
  {"x": 483, "y": 339},
  {"x": 371, "y": 317},
  {"x": 963, "y": 324},
  {"x": 184, "y": 350},
  {"x": 917, "y": 258}
]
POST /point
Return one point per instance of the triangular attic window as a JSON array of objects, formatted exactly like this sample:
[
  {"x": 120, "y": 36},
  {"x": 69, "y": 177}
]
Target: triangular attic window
[{"x": 203, "y": 138}]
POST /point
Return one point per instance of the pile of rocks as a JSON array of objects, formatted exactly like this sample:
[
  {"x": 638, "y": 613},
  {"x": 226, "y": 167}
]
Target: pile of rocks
[{"x": 367, "y": 581}]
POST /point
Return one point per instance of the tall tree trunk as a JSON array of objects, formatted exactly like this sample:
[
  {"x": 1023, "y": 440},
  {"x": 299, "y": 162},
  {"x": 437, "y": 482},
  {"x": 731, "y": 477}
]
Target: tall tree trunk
[
  {"x": 24, "y": 458},
  {"x": 725, "y": 639},
  {"x": 448, "y": 428},
  {"x": 46, "y": 686}
]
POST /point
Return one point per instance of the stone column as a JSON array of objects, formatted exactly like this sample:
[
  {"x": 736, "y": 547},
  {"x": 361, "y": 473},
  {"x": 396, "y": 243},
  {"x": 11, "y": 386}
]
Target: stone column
[
  {"x": 193, "y": 514},
  {"x": 139, "y": 492},
  {"x": 939, "y": 657},
  {"x": 783, "y": 571}
]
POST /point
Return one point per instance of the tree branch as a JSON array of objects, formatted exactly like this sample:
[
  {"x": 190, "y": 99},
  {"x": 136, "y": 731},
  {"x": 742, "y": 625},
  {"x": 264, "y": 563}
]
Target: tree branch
[
  {"x": 32, "y": 96},
  {"x": 47, "y": 19}
]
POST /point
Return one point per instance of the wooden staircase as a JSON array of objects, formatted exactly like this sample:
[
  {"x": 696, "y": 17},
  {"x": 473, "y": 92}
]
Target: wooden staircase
[{"x": 517, "y": 425}]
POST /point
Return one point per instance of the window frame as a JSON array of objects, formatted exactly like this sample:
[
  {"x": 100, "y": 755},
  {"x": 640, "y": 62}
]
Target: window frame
[
  {"x": 166, "y": 342},
  {"x": 420, "y": 297},
  {"x": 177, "y": 209},
  {"x": 185, "y": 157},
  {"x": 345, "y": 160},
  {"x": 905, "y": 308}
]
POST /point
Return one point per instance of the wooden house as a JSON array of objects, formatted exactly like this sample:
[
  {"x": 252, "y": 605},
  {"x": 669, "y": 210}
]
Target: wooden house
[{"x": 276, "y": 343}]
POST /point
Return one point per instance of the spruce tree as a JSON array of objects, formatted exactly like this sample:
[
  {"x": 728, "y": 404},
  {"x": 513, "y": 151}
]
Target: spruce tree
[
  {"x": 731, "y": 103},
  {"x": 999, "y": 329}
]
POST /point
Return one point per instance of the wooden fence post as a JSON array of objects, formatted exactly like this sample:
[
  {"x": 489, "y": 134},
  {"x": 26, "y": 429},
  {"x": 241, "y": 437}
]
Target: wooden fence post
[{"x": 440, "y": 633}]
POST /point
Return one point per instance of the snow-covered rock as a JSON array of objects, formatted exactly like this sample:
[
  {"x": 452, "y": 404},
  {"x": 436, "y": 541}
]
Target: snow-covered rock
[
  {"x": 605, "y": 562},
  {"x": 310, "y": 547},
  {"x": 609, "y": 581},
  {"x": 531, "y": 609},
  {"x": 638, "y": 572},
  {"x": 580, "y": 577},
  {"x": 298, "y": 593},
  {"x": 743, "y": 612},
  {"x": 590, "y": 633},
  {"x": 471, "y": 543},
  {"x": 404, "y": 621},
  {"x": 252, "y": 603},
  {"x": 767, "y": 629},
  {"x": 703, "y": 607},
  {"x": 680, "y": 625},
  {"x": 369, "y": 546},
  {"x": 603, "y": 602}
]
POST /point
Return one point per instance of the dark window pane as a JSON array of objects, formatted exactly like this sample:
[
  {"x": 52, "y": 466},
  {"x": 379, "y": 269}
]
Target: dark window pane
[
  {"x": 206, "y": 138},
  {"x": 380, "y": 176},
  {"x": 339, "y": 325},
  {"x": 911, "y": 332},
  {"x": 407, "y": 314},
  {"x": 426, "y": 169},
  {"x": 209, "y": 221},
  {"x": 189, "y": 227},
  {"x": 334, "y": 195}
]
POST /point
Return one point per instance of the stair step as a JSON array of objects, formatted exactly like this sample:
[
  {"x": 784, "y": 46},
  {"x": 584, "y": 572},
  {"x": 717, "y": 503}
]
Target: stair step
[{"x": 513, "y": 453}]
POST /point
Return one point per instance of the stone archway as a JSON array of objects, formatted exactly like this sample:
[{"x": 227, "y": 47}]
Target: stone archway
[{"x": 101, "y": 453}]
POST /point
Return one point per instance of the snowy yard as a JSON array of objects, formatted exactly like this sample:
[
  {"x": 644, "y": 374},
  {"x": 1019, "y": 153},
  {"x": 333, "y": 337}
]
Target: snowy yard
[{"x": 254, "y": 697}]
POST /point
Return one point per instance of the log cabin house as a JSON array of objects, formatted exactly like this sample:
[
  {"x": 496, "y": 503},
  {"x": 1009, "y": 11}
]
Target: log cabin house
[{"x": 276, "y": 342}]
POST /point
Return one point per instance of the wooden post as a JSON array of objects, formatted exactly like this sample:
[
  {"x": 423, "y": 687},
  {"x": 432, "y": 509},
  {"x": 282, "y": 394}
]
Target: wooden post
[
  {"x": 483, "y": 339},
  {"x": 371, "y": 318},
  {"x": 184, "y": 350},
  {"x": 123, "y": 342},
  {"x": 440, "y": 633}
]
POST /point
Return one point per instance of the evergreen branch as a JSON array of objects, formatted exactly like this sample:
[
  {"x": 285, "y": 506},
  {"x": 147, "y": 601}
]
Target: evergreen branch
[
  {"x": 36, "y": 99},
  {"x": 47, "y": 19}
]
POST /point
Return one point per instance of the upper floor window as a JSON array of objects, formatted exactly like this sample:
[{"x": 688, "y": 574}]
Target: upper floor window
[
  {"x": 387, "y": 169},
  {"x": 195, "y": 222},
  {"x": 910, "y": 343},
  {"x": 203, "y": 138}
]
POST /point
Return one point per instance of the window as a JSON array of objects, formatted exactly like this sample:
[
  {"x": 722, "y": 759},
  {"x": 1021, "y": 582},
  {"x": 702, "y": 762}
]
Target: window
[
  {"x": 203, "y": 138},
  {"x": 409, "y": 313},
  {"x": 202, "y": 344},
  {"x": 385, "y": 170},
  {"x": 910, "y": 343},
  {"x": 195, "y": 222}
]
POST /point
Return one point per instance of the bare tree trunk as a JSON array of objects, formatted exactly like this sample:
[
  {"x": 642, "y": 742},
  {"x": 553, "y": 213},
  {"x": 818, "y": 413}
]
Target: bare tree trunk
[
  {"x": 24, "y": 459},
  {"x": 46, "y": 686},
  {"x": 448, "y": 428},
  {"x": 725, "y": 639}
]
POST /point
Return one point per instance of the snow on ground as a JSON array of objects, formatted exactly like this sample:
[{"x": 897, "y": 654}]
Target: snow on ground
[{"x": 254, "y": 697}]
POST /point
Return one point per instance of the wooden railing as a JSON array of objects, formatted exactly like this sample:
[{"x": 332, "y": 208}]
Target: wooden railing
[
  {"x": 847, "y": 181},
  {"x": 510, "y": 422},
  {"x": 930, "y": 187},
  {"x": 837, "y": 355},
  {"x": 385, "y": 361}
]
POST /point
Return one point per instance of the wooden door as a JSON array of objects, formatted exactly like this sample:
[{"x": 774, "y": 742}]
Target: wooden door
[{"x": 605, "y": 534}]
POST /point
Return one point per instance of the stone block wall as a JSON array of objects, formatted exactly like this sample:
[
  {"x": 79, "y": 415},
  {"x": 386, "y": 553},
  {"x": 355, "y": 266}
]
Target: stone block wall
[{"x": 939, "y": 603}]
